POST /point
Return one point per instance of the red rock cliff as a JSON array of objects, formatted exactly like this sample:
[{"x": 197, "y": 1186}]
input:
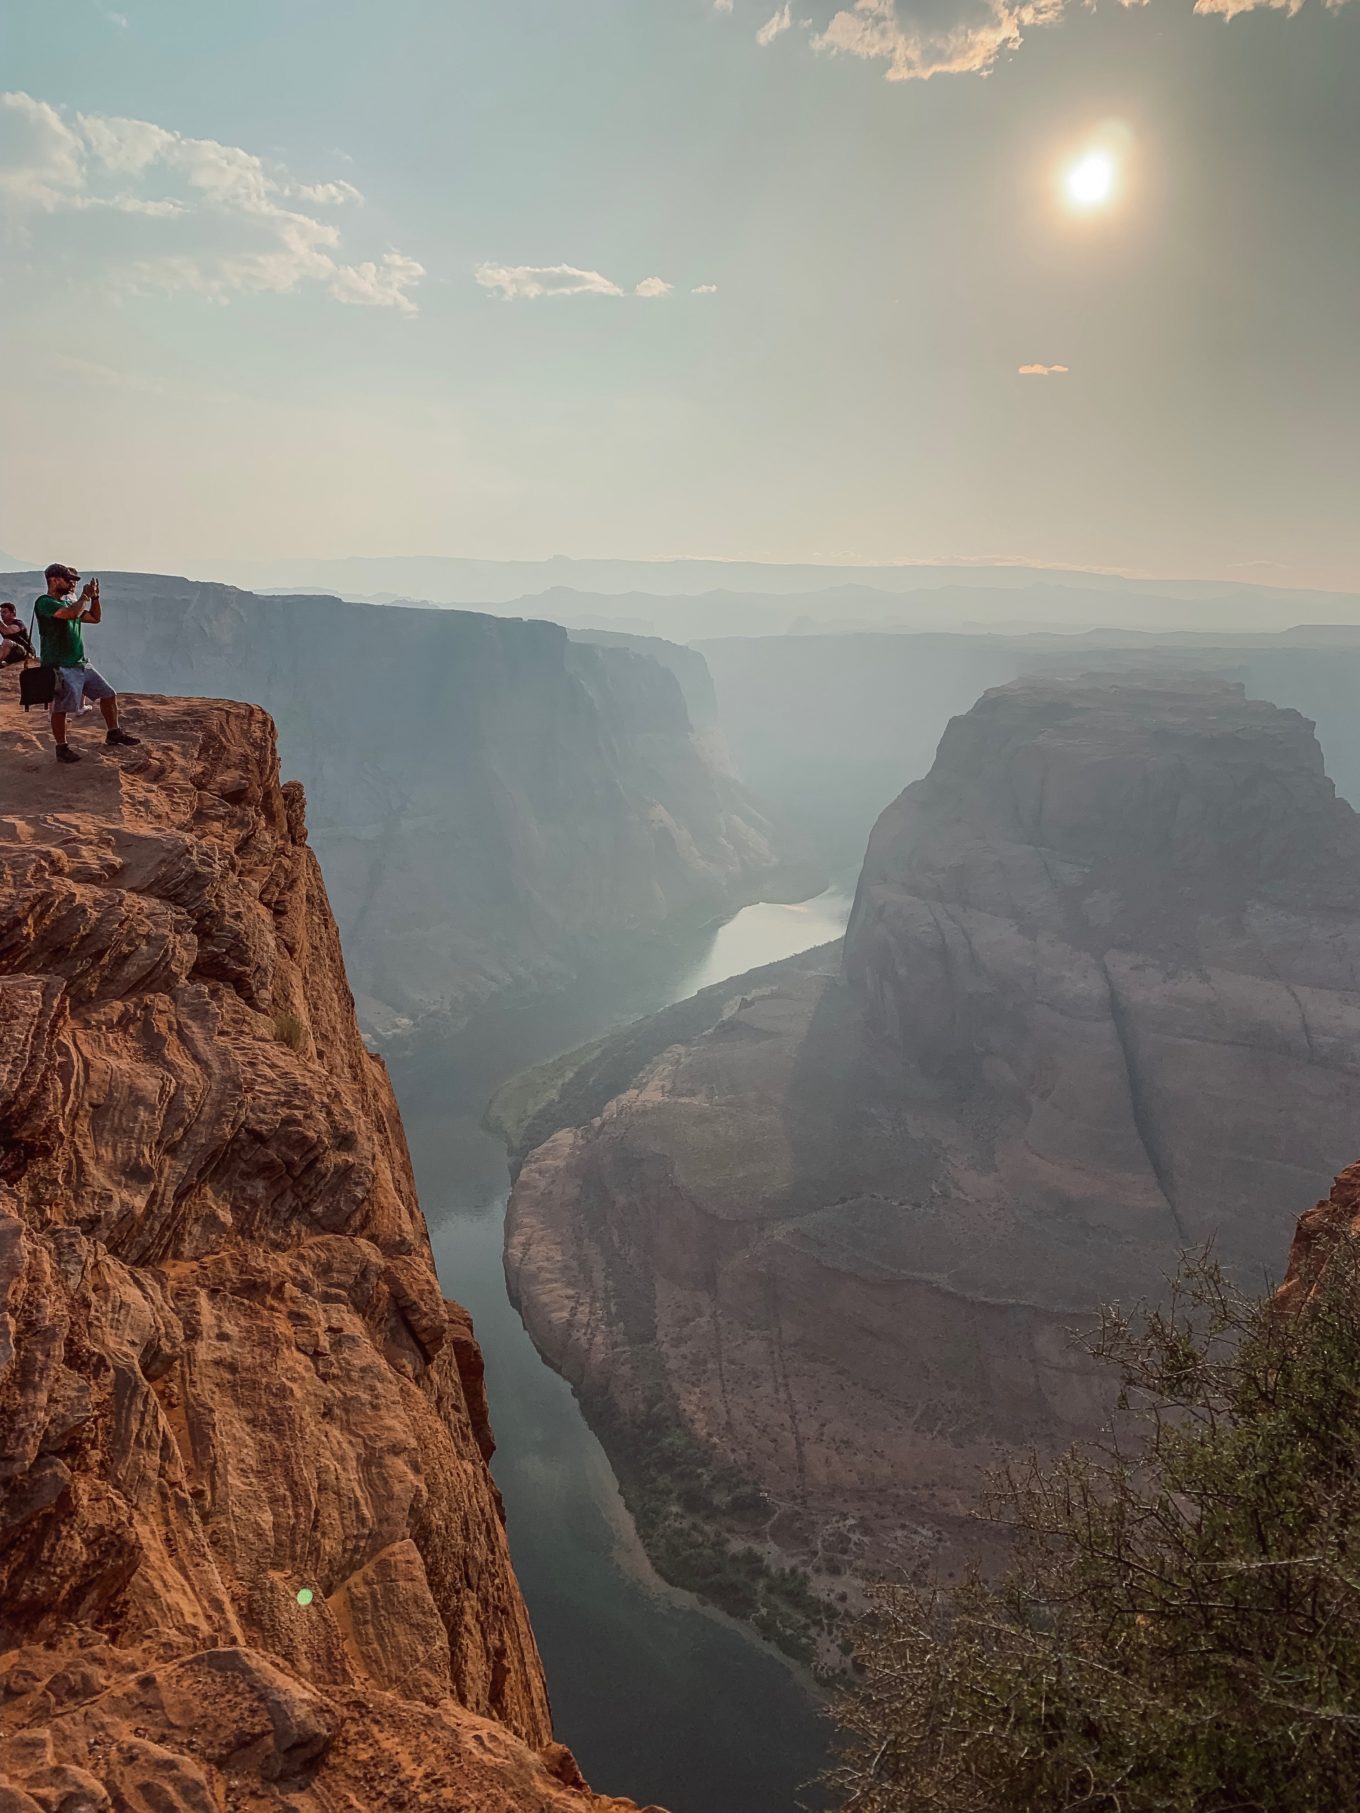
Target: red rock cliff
[
  {"x": 227, "y": 1372},
  {"x": 1333, "y": 1220}
]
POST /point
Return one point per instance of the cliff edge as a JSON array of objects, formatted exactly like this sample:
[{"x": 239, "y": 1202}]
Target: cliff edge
[
  {"x": 496, "y": 808},
  {"x": 251, "y": 1554}
]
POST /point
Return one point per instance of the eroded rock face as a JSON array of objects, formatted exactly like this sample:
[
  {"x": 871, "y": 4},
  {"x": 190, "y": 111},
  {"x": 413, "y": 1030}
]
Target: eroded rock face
[
  {"x": 1333, "y": 1221},
  {"x": 1100, "y": 1001},
  {"x": 227, "y": 1373},
  {"x": 494, "y": 806}
]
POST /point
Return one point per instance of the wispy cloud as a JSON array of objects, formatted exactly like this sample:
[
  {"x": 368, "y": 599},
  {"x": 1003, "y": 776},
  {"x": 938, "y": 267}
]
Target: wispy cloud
[
  {"x": 1229, "y": 9},
  {"x": 916, "y": 42},
  {"x": 704, "y": 289},
  {"x": 530, "y": 282},
  {"x": 722, "y": 6},
  {"x": 380, "y": 284},
  {"x": 1042, "y": 371},
  {"x": 527, "y": 282},
  {"x": 776, "y": 25},
  {"x": 917, "y": 39},
  {"x": 199, "y": 215}
]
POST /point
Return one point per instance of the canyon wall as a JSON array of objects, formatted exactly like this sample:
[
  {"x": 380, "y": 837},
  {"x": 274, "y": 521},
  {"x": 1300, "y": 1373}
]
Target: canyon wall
[
  {"x": 493, "y": 805},
  {"x": 251, "y": 1554},
  {"x": 1099, "y": 1001}
]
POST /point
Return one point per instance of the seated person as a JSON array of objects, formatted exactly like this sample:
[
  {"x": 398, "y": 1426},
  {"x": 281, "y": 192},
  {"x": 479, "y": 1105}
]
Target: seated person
[{"x": 15, "y": 646}]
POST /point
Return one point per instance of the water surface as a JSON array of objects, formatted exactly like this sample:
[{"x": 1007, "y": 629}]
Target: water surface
[{"x": 661, "y": 1699}]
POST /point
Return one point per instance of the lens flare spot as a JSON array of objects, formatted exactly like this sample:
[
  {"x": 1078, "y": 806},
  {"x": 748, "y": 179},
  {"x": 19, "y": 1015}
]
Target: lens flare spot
[{"x": 304, "y": 1595}]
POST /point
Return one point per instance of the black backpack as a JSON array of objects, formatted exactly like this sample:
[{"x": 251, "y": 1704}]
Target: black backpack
[{"x": 37, "y": 684}]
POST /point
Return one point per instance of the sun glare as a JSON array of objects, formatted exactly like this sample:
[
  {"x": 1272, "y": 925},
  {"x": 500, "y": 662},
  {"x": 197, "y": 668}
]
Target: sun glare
[{"x": 1090, "y": 181}]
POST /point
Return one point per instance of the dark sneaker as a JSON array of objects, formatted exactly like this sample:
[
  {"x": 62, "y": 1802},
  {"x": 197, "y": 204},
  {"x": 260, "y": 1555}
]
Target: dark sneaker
[
  {"x": 121, "y": 737},
  {"x": 66, "y": 755}
]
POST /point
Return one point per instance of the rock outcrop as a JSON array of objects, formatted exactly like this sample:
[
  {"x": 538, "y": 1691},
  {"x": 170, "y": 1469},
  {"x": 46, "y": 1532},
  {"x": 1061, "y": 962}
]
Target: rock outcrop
[
  {"x": 1100, "y": 1001},
  {"x": 1333, "y": 1222},
  {"x": 251, "y": 1555},
  {"x": 494, "y": 806}
]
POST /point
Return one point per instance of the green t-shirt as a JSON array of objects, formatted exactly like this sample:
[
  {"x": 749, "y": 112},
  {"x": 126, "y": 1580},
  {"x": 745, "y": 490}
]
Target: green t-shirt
[{"x": 61, "y": 642}]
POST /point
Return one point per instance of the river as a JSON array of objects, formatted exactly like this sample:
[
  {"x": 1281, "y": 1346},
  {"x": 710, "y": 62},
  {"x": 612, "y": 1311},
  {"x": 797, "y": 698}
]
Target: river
[{"x": 662, "y": 1699}]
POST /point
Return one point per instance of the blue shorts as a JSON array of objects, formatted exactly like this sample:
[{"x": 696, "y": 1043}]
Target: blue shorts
[{"x": 77, "y": 684}]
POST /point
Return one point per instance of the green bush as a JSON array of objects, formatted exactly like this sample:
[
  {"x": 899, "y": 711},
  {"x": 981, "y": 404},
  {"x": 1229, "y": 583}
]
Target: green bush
[
  {"x": 1180, "y": 1627},
  {"x": 680, "y": 1493}
]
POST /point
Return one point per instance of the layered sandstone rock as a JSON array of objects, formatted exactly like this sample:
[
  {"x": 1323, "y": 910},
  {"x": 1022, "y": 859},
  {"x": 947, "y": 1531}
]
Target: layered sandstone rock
[
  {"x": 1333, "y": 1222},
  {"x": 1100, "y": 1001},
  {"x": 494, "y": 806},
  {"x": 251, "y": 1555}
]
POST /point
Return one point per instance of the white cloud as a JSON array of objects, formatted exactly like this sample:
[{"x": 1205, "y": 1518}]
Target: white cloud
[
  {"x": 776, "y": 25},
  {"x": 1229, "y": 9},
  {"x": 917, "y": 39},
  {"x": 127, "y": 146},
  {"x": 327, "y": 194},
  {"x": 1042, "y": 371},
  {"x": 525, "y": 282},
  {"x": 199, "y": 215},
  {"x": 135, "y": 204},
  {"x": 921, "y": 41},
  {"x": 704, "y": 289},
  {"x": 40, "y": 156},
  {"x": 381, "y": 285},
  {"x": 528, "y": 282}
]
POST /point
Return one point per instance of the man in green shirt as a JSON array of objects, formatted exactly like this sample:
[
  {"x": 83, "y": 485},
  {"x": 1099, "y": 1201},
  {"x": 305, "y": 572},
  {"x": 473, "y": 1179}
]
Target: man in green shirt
[{"x": 62, "y": 646}]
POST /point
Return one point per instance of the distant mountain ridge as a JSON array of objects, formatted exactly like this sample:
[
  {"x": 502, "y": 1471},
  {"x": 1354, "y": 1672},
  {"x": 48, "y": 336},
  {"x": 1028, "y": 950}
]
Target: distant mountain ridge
[
  {"x": 452, "y": 580},
  {"x": 826, "y": 727}
]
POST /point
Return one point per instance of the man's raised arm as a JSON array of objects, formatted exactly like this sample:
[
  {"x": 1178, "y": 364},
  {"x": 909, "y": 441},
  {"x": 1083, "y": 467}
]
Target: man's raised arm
[{"x": 85, "y": 609}]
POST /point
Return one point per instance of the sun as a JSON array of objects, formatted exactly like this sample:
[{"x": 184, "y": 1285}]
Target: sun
[{"x": 1090, "y": 181}]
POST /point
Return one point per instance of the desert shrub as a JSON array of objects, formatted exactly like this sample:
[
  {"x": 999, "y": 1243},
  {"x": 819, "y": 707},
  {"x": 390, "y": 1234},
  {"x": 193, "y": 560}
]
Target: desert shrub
[
  {"x": 291, "y": 1031},
  {"x": 1180, "y": 1626},
  {"x": 679, "y": 1493}
]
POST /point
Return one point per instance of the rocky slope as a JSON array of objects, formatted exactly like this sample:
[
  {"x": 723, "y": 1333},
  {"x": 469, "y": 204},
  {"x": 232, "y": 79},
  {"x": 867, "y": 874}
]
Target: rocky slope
[
  {"x": 251, "y": 1555},
  {"x": 1100, "y": 999},
  {"x": 493, "y": 805}
]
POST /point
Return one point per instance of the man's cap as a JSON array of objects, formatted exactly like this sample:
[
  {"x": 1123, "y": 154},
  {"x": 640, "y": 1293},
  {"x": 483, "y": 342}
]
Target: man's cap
[{"x": 59, "y": 570}]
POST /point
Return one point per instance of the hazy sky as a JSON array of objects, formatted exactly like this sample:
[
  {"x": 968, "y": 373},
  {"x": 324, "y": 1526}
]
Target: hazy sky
[{"x": 659, "y": 277}]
